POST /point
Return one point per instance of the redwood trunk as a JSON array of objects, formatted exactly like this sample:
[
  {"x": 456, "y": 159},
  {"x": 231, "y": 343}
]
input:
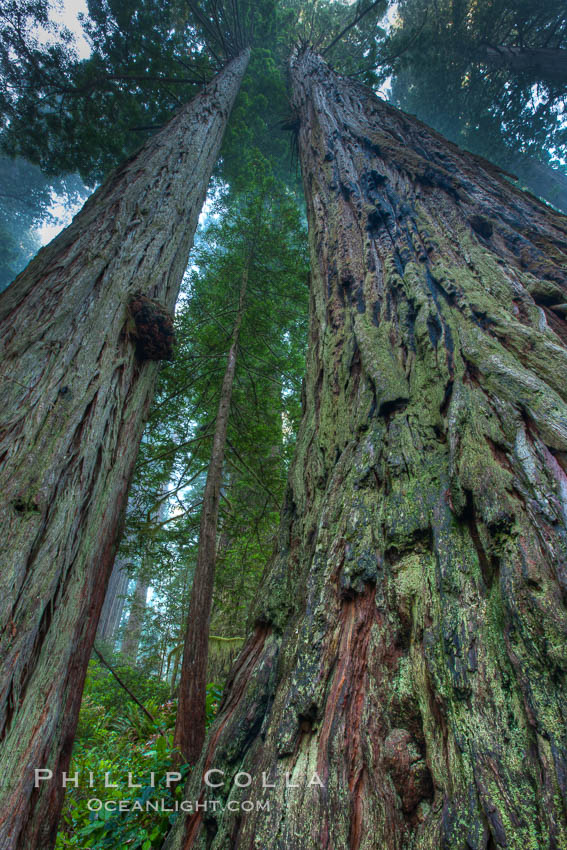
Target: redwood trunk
[
  {"x": 113, "y": 607},
  {"x": 410, "y": 641},
  {"x": 191, "y": 709},
  {"x": 133, "y": 628},
  {"x": 77, "y": 376},
  {"x": 548, "y": 64}
]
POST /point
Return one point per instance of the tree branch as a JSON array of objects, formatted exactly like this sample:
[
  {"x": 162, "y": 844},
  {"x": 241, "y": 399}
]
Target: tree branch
[{"x": 127, "y": 689}]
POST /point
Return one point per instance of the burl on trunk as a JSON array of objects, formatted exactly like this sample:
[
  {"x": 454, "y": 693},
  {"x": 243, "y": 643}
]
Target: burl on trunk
[
  {"x": 82, "y": 330},
  {"x": 410, "y": 646}
]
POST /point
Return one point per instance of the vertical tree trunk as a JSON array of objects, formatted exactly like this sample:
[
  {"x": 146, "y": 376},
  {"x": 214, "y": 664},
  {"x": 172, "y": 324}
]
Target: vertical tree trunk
[
  {"x": 410, "y": 641},
  {"x": 176, "y": 660},
  {"x": 76, "y": 381},
  {"x": 113, "y": 606},
  {"x": 548, "y": 64},
  {"x": 136, "y": 616},
  {"x": 133, "y": 628},
  {"x": 191, "y": 717}
]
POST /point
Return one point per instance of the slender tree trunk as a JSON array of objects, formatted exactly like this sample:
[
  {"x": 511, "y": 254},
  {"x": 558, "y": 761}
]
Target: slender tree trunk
[
  {"x": 133, "y": 628},
  {"x": 190, "y": 721},
  {"x": 410, "y": 635},
  {"x": 113, "y": 607},
  {"x": 76, "y": 382},
  {"x": 548, "y": 64},
  {"x": 137, "y": 614},
  {"x": 177, "y": 659}
]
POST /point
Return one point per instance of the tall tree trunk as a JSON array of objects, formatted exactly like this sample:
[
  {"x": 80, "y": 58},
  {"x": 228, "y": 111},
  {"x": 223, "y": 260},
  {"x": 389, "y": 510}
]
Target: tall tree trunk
[
  {"x": 547, "y": 64},
  {"x": 113, "y": 606},
  {"x": 190, "y": 721},
  {"x": 136, "y": 616},
  {"x": 133, "y": 628},
  {"x": 542, "y": 179},
  {"x": 410, "y": 640},
  {"x": 76, "y": 382}
]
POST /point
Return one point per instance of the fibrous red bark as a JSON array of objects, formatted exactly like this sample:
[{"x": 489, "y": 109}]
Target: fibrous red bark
[
  {"x": 410, "y": 642},
  {"x": 74, "y": 395}
]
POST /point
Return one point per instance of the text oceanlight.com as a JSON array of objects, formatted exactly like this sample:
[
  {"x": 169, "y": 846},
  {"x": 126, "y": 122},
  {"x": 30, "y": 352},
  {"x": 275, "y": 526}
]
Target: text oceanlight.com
[{"x": 95, "y": 805}]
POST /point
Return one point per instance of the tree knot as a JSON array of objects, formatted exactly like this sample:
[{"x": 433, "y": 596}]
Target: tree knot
[
  {"x": 408, "y": 769},
  {"x": 151, "y": 325}
]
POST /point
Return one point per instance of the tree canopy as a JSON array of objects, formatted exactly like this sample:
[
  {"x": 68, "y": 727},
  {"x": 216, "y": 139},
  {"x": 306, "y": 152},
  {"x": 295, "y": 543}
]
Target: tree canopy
[{"x": 443, "y": 60}]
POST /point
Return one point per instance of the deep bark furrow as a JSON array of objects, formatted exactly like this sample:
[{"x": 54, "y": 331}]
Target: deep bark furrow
[{"x": 72, "y": 409}]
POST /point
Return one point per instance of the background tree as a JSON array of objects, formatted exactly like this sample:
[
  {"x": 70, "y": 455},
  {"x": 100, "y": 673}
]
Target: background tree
[
  {"x": 111, "y": 612},
  {"x": 248, "y": 247}
]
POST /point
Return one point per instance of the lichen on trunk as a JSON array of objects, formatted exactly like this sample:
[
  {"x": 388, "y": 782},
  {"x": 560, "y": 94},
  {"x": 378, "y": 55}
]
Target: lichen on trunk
[
  {"x": 410, "y": 642},
  {"x": 76, "y": 383}
]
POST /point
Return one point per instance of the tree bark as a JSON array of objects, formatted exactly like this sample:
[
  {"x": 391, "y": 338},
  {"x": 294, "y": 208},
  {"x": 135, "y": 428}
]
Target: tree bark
[
  {"x": 113, "y": 606},
  {"x": 410, "y": 633},
  {"x": 191, "y": 714},
  {"x": 545, "y": 64},
  {"x": 78, "y": 373},
  {"x": 133, "y": 628}
]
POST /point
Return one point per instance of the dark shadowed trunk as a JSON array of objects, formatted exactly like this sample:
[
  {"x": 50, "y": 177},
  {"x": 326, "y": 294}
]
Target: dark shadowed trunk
[
  {"x": 113, "y": 603},
  {"x": 81, "y": 330},
  {"x": 548, "y": 64},
  {"x": 133, "y": 627},
  {"x": 190, "y": 721},
  {"x": 410, "y": 640}
]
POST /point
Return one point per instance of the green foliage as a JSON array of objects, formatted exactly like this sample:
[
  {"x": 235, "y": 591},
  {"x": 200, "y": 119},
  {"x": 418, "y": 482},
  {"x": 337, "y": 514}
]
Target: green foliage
[
  {"x": 87, "y": 115},
  {"x": 148, "y": 58},
  {"x": 115, "y": 737},
  {"x": 104, "y": 701},
  {"x": 257, "y": 126},
  {"x": 25, "y": 199},
  {"x": 264, "y": 415}
]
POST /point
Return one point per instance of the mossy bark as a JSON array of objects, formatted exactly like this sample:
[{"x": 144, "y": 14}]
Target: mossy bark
[
  {"x": 78, "y": 368},
  {"x": 410, "y": 645}
]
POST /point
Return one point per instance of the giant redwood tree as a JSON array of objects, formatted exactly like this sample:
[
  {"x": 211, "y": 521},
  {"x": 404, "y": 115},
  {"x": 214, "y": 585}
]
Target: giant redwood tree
[
  {"x": 410, "y": 649},
  {"x": 82, "y": 331}
]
